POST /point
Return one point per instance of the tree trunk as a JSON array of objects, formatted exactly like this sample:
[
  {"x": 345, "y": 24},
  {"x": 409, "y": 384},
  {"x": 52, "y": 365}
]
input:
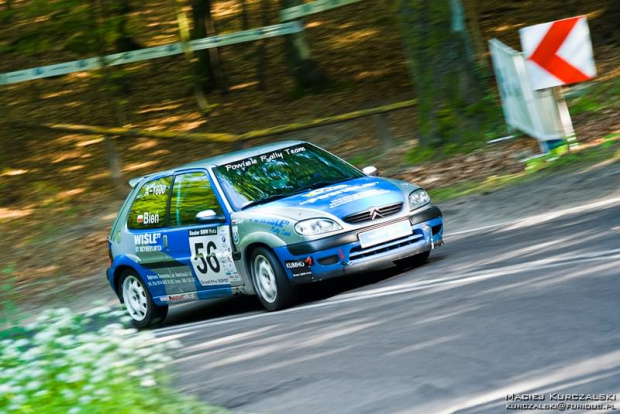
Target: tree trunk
[
  {"x": 245, "y": 24},
  {"x": 476, "y": 34},
  {"x": 125, "y": 42},
  {"x": 116, "y": 171},
  {"x": 607, "y": 32},
  {"x": 209, "y": 68},
  {"x": 184, "y": 34},
  {"x": 8, "y": 8},
  {"x": 452, "y": 97},
  {"x": 262, "y": 48},
  {"x": 7, "y": 144},
  {"x": 305, "y": 70}
]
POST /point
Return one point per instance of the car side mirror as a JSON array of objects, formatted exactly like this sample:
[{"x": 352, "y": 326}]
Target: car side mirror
[
  {"x": 209, "y": 217},
  {"x": 371, "y": 171}
]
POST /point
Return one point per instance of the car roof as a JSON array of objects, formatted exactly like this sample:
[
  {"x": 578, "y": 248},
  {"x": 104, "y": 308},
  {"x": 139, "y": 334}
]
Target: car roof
[{"x": 222, "y": 159}]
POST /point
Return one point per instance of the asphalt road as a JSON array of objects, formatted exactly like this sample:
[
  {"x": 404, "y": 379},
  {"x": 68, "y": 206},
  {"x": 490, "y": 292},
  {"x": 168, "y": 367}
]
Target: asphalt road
[{"x": 527, "y": 307}]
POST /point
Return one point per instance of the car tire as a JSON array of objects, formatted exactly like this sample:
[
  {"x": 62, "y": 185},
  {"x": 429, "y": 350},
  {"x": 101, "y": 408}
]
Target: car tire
[
  {"x": 139, "y": 302},
  {"x": 413, "y": 261},
  {"x": 270, "y": 282}
]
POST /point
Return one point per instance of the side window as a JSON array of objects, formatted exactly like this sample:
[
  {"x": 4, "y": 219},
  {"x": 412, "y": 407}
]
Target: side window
[
  {"x": 148, "y": 210},
  {"x": 191, "y": 194}
]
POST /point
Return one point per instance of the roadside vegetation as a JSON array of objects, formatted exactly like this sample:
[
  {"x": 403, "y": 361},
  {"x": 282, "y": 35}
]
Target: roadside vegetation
[
  {"x": 63, "y": 362},
  {"x": 605, "y": 152}
]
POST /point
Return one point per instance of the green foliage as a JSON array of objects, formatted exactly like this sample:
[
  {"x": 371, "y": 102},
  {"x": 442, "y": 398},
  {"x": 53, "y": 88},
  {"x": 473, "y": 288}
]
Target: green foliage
[
  {"x": 9, "y": 312},
  {"x": 420, "y": 154},
  {"x": 359, "y": 161},
  {"x": 90, "y": 363},
  {"x": 610, "y": 140},
  {"x": 585, "y": 104},
  {"x": 596, "y": 98},
  {"x": 427, "y": 153},
  {"x": 77, "y": 26},
  {"x": 6, "y": 15}
]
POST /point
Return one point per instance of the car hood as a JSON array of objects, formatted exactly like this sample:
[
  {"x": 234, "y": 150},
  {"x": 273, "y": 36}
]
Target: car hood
[{"x": 339, "y": 199}]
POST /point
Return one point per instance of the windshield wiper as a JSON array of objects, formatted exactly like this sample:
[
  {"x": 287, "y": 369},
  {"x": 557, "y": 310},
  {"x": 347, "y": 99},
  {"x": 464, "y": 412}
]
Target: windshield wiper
[{"x": 264, "y": 200}]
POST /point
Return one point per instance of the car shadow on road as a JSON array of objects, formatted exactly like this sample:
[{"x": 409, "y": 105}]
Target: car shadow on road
[{"x": 245, "y": 305}]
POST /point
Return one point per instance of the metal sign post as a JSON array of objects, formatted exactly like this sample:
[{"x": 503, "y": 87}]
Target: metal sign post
[
  {"x": 559, "y": 53},
  {"x": 567, "y": 122},
  {"x": 534, "y": 112}
]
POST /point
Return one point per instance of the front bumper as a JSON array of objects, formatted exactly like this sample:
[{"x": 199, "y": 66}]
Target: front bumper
[{"x": 342, "y": 254}]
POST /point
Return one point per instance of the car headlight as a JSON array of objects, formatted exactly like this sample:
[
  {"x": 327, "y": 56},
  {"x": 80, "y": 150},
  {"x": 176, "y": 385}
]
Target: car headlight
[
  {"x": 316, "y": 226},
  {"x": 418, "y": 198}
]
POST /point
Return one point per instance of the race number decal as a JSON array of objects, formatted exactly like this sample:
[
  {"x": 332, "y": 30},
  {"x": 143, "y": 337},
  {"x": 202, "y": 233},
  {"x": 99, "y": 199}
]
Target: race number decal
[{"x": 211, "y": 256}]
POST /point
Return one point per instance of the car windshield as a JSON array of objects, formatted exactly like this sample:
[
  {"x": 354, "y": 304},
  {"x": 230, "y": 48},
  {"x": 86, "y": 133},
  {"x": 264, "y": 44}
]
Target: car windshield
[{"x": 281, "y": 173}]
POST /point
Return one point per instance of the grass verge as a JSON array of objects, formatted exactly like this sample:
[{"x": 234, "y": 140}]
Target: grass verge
[{"x": 608, "y": 150}]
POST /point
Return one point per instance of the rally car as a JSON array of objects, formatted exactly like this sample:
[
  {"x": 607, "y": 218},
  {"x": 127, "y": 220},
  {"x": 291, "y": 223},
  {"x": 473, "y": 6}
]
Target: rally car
[{"x": 261, "y": 221}]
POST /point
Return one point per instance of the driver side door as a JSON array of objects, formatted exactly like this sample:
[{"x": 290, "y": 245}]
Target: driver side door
[{"x": 203, "y": 251}]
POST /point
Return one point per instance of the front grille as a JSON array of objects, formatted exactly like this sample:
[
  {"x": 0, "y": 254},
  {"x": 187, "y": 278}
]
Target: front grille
[{"x": 374, "y": 213}]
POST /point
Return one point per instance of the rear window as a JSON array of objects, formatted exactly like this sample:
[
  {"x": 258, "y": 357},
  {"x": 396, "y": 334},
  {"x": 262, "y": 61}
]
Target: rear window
[{"x": 148, "y": 210}]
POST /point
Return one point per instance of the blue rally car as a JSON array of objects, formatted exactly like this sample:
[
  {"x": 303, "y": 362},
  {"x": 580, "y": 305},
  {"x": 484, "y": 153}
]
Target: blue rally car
[{"x": 261, "y": 221}]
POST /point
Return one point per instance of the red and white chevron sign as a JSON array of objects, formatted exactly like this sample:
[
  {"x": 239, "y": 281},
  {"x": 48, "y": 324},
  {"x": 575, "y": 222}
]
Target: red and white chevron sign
[{"x": 558, "y": 53}]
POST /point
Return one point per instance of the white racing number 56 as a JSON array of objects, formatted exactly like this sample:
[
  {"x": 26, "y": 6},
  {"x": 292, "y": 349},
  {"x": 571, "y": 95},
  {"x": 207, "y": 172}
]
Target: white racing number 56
[
  {"x": 211, "y": 259},
  {"x": 205, "y": 261}
]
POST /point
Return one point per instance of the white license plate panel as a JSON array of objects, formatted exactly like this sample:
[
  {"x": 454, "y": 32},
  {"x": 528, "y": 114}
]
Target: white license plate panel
[{"x": 385, "y": 234}]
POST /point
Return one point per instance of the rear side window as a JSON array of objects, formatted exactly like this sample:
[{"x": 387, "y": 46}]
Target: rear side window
[
  {"x": 148, "y": 210},
  {"x": 191, "y": 194}
]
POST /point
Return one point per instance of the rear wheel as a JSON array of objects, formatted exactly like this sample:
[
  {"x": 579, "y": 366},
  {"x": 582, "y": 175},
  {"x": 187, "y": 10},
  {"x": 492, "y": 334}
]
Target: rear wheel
[
  {"x": 270, "y": 282},
  {"x": 139, "y": 303}
]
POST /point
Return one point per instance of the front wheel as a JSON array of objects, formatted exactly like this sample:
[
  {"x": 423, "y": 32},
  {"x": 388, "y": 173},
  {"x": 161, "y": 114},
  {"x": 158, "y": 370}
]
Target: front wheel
[
  {"x": 270, "y": 282},
  {"x": 413, "y": 261},
  {"x": 139, "y": 303}
]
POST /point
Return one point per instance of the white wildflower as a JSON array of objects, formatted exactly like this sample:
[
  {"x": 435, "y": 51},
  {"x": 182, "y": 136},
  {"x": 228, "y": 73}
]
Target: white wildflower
[
  {"x": 101, "y": 392},
  {"x": 5, "y": 389},
  {"x": 18, "y": 399},
  {"x": 41, "y": 393},
  {"x": 19, "y": 343},
  {"x": 68, "y": 394},
  {"x": 148, "y": 382},
  {"x": 85, "y": 399},
  {"x": 46, "y": 335},
  {"x": 31, "y": 386}
]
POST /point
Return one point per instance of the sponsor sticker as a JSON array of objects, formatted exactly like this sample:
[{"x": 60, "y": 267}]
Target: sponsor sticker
[
  {"x": 180, "y": 297},
  {"x": 235, "y": 232},
  {"x": 298, "y": 267},
  {"x": 330, "y": 192},
  {"x": 263, "y": 158},
  {"x": 147, "y": 242},
  {"x": 148, "y": 218}
]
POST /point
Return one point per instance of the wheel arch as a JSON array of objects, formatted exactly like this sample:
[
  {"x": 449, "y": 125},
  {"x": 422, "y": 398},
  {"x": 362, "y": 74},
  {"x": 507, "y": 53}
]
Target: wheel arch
[
  {"x": 117, "y": 278},
  {"x": 248, "y": 257}
]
